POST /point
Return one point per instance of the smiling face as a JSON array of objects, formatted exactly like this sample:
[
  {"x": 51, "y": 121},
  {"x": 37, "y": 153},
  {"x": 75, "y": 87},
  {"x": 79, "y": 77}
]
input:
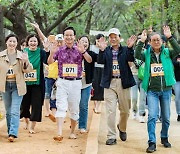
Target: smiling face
[
  {"x": 156, "y": 42},
  {"x": 33, "y": 43},
  {"x": 114, "y": 40},
  {"x": 69, "y": 37},
  {"x": 11, "y": 43},
  {"x": 85, "y": 42}
]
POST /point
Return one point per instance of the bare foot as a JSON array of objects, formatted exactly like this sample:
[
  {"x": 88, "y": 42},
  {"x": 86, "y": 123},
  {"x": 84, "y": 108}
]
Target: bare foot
[
  {"x": 58, "y": 138},
  {"x": 72, "y": 136},
  {"x": 32, "y": 131}
]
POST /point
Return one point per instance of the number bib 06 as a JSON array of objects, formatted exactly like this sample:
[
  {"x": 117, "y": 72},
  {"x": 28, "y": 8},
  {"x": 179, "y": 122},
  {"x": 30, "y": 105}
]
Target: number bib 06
[
  {"x": 31, "y": 76},
  {"x": 70, "y": 70},
  {"x": 157, "y": 70},
  {"x": 116, "y": 71},
  {"x": 10, "y": 74}
]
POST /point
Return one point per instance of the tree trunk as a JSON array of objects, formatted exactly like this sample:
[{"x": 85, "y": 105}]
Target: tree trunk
[{"x": 2, "y": 44}]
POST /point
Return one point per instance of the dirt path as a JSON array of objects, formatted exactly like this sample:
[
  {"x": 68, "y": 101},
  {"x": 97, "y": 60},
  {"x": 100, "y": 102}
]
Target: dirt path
[
  {"x": 137, "y": 137},
  {"x": 42, "y": 142}
]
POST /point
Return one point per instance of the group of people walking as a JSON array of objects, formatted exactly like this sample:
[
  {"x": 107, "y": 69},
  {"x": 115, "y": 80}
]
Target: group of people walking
[{"x": 23, "y": 81}]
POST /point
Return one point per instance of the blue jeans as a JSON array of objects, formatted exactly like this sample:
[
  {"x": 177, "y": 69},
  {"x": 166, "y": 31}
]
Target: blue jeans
[
  {"x": 49, "y": 82},
  {"x": 177, "y": 96},
  {"x": 83, "y": 107},
  {"x": 12, "y": 102},
  {"x": 153, "y": 99}
]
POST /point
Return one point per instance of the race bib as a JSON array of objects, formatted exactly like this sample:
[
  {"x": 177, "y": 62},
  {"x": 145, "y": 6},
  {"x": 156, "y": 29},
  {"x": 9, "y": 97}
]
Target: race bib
[
  {"x": 10, "y": 73},
  {"x": 31, "y": 76},
  {"x": 116, "y": 71},
  {"x": 157, "y": 70},
  {"x": 70, "y": 70}
]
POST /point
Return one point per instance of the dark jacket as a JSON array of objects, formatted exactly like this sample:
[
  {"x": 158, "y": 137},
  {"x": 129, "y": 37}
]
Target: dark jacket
[
  {"x": 177, "y": 68},
  {"x": 125, "y": 55},
  {"x": 89, "y": 67}
]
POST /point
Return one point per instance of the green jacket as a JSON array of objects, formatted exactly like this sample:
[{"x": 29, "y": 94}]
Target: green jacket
[{"x": 158, "y": 83}]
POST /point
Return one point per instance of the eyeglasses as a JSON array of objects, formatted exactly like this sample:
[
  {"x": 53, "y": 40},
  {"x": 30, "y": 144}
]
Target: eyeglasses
[{"x": 158, "y": 40}]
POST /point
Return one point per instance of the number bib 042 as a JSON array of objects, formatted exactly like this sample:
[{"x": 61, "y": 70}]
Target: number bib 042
[
  {"x": 10, "y": 73},
  {"x": 157, "y": 70},
  {"x": 70, "y": 70},
  {"x": 31, "y": 76},
  {"x": 116, "y": 71}
]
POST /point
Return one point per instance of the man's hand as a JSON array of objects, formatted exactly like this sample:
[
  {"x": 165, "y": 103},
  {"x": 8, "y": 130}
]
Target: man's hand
[
  {"x": 167, "y": 31},
  {"x": 143, "y": 36},
  {"x": 131, "y": 41},
  {"x": 101, "y": 43}
]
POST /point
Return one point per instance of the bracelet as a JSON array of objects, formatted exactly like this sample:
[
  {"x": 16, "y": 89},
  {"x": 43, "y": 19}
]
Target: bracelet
[{"x": 83, "y": 52}]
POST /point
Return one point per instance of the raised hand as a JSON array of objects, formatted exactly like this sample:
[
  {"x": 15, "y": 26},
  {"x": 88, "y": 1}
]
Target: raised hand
[
  {"x": 144, "y": 36},
  {"x": 101, "y": 43},
  {"x": 24, "y": 57},
  {"x": 35, "y": 25},
  {"x": 131, "y": 41},
  {"x": 80, "y": 46},
  {"x": 53, "y": 47},
  {"x": 167, "y": 31},
  {"x": 46, "y": 45}
]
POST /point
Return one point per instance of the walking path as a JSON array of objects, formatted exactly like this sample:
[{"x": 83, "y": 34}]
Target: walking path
[{"x": 91, "y": 143}]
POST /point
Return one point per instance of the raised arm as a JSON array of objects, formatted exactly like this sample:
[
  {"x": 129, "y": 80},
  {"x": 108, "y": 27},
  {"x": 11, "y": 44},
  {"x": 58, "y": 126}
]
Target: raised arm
[
  {"x": 85, "y": 54},
  {"x": 40, "y": 33},
  {"x": 173, "y": 42},
  {"x": 139, "y": 48}
]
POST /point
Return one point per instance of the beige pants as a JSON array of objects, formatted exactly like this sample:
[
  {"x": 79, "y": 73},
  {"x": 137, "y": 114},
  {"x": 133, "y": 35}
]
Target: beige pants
[{"x": 116, "y": 94}]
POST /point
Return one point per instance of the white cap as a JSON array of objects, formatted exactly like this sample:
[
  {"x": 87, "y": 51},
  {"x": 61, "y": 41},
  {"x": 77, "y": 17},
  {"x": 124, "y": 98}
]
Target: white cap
[
  {"x": 59, "y": 37},
  {"x": 114, "y": 31}
]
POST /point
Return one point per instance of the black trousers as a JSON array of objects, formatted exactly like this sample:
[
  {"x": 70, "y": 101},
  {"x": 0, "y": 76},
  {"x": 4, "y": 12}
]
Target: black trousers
[{"x": 32, "y": 99}]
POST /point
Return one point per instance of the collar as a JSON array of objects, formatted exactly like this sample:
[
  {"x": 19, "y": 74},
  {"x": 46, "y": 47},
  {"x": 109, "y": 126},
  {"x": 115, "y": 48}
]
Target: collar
[
  {"x": 4, "y": 53},
  {"x": 118, "y": 49},
  {"x": 73, "y": 47}
]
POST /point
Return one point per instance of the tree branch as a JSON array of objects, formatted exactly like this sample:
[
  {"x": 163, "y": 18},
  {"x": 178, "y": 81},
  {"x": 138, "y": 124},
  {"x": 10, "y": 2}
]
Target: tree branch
[
  {"x": 9, "y": 27},
  {"x": 61, "y": 18},
  {"x": 16, "y": 3}
]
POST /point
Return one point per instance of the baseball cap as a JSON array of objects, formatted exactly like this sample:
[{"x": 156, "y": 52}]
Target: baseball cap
[
  {"x": 114, "y": 31},
  {"x": 59, "y": 37}
]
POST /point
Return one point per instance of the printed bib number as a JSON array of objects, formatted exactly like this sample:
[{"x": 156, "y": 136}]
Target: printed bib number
[
  {"x": 157, "y": 70},
  {"x": 10, "y": 73},
  {"x": 69, "y": 70},
  {"x": 116, "y": 71},
  {"x": 31, "y": 76}
]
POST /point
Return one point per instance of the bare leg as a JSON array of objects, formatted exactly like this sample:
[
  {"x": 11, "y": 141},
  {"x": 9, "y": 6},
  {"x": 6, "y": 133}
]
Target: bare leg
[
  {"x": 53, "y": 110},
  {"x": 32, "y": 126},
  {"x": 26, "y": 123},
  {"x": 59, "y": 126},
  {"x": 47, "y": 106},
  {"x": 73, "y": 126},
  {"x": 96, "y": 107}
]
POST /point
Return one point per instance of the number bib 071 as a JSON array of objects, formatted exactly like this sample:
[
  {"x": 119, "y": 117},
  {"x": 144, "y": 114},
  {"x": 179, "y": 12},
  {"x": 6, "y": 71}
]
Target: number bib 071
[
  {"x": 70, "y": 70},
  {"x": 31, "y": 76}
]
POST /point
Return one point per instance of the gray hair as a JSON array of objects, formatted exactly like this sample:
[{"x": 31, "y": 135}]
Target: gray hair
[{"x": 154, "y": 33}]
